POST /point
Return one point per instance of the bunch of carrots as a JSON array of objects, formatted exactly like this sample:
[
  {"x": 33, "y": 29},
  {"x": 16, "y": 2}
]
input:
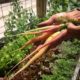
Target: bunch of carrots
[{"x": 57, "y": 28}]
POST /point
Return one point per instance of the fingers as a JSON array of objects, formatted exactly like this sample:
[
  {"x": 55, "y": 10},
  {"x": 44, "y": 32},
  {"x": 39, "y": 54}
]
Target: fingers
[
  {"x": 74, "y": 30},
  {"x": 77, "y": 15},
  {"x": 52, "y": 19},
  {"x": 74, "y": 15},
  {"x": 78, "y": 9},
  {"x": 48, "y": 22},
  {"x": 79, "y": 19},
  {"x": 73, "y": 27}
]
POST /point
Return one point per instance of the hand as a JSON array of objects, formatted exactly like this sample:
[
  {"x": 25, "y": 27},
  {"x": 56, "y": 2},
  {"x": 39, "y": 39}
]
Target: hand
[
  {"x": 53, "y": 19},
  {"x": 73, "y": 31}
]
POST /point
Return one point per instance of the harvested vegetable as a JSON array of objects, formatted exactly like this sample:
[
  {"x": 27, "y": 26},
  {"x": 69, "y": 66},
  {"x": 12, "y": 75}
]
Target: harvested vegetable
[
  {"x": 62, "y": 31},
  {"x": 37, "y": 55}
]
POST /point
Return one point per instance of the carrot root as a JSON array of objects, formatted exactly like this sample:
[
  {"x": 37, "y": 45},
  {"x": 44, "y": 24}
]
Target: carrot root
[
  {"x": 62, "y": 34},
  {"x": 37, "y": 55},
  {"x": 43, "y": 36}
]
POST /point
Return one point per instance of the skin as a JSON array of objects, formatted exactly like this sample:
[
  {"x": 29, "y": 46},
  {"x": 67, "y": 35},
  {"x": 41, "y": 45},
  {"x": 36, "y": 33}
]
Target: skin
[
  {"x": 53, "y": 19},
  {"x": 68, "y": 15}
]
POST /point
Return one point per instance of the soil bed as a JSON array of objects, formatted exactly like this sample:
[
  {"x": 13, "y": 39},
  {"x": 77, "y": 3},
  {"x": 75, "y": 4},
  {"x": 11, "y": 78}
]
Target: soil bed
[
  {"x": 47, "y": 67},
  {"x": 58, "y": 65}
]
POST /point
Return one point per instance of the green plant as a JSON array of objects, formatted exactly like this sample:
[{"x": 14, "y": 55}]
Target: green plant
[
  {"x": 62, "y": 5},
  {"x": 69, "y": 49},
  {"x": 62, "y": 70},
  {"x": 34, "y": 20},
  {"x": 65, "y": 61},
  {"x": 17, "y": 20},
  {"x": 10, "y": 54}
]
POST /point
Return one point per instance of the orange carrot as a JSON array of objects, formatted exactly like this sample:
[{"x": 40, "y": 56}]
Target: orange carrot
[
  {"x": 45, "y": 35},
  {"x": 37, "y": 55},
  {"x": 42, "y": 37},
  {"x": 56, "y": 39}
]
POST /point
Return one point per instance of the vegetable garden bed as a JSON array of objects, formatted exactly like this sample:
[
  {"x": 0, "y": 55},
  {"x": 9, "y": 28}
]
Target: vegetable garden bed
[
  {"x": 58, "y": 65},
  {"x": 54, "y": 66},
  {"x": 47, "y": 53}
]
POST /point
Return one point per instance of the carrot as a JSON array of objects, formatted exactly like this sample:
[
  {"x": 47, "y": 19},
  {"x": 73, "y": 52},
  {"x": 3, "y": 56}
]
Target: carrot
[
  {"x": 42, "y": 37},
  {"x": 57, "y": 38},
  {"x": 45, "y": 35},
  {"x": 42, "y": 30},
  {"x": 37, "y": 29},
  {"x": 73, "y": 16},
  {"x": 26, "y": 58},
  {"x": 63, "y": 33},
  {"x": 37, "y": 55}
]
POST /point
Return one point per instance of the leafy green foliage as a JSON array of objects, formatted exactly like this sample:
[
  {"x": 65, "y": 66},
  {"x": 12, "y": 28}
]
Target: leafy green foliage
[
  {"x": 17, "y": 20},
  {"x": 20, "y": 20},
  {"x": 11, "y": 55},
  {"x": 62, "y": 70},
  {"x": 34, "y": 20},
  {"x": 62, "y": 5},
  {"x": 69, "y": 49},
  {"x": 65, "y": 61}
]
